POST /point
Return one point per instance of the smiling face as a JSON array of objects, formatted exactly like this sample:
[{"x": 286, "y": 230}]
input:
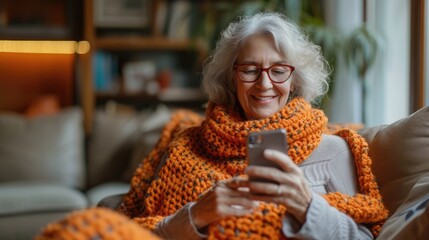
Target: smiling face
[{"x": 262, "y": 98}]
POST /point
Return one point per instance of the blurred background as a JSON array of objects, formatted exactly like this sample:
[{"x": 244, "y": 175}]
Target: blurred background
[{"x": 142, "y": 52}]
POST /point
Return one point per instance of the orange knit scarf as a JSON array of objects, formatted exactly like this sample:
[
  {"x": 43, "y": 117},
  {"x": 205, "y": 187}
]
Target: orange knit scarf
[{"x": 200, "y": 153}]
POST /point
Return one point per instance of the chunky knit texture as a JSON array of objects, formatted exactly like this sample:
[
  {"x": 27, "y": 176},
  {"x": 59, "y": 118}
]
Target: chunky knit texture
[
  {"x": 95, "y": 223},
  {"x": 202, "y": 152}
]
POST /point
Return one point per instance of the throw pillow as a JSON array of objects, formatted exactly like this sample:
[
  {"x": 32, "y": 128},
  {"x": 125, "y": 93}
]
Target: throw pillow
[
  {"x": 47, "y": 148},
  {"x": 110, "y": 146},
  {"x": 150, "y": 130},
  {"x": 399, "y": 152},
  {"x": 43, "y": 105}
]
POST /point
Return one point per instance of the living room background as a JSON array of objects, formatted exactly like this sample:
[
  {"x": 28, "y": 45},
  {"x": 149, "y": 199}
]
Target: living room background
[{"x": 390, "y": 92}]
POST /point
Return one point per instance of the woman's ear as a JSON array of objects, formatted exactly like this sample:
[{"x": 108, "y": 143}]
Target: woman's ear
[
  {"x": 291, "y": 92},
  {"x": 291, "y": 88}
]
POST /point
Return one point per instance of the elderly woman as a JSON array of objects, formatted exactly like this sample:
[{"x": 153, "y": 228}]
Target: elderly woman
[{"x": 263, "y": 75}]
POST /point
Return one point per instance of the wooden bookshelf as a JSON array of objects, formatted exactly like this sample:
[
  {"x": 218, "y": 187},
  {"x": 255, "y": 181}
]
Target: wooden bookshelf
[
  {"x": 141, "y": 43},
  {"x": 133, "y": 43}
]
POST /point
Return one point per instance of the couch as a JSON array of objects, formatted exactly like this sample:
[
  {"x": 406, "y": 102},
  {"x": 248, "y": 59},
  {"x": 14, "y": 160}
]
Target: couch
[
  {"x": 49, "y": 167},
  {"x": 33, "y": 192}
]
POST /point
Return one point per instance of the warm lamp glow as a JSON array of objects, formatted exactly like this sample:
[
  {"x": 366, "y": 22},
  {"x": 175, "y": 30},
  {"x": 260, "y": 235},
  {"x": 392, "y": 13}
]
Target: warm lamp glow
[
  {"x": 83, "y": 47},
  {"x": 55, "y": 47}
]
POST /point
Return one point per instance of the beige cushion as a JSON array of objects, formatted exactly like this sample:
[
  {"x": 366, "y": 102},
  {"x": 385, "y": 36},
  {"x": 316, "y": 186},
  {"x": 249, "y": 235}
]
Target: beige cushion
[
  {"x": 400, "y": 154},
  {"x": 43, "y": 148},
  {"x": 411, "y": 219},
  {"x": 148, "y": 135},
  {"x": 370, "y": 133},
  {"x": 110, "y": 148}
]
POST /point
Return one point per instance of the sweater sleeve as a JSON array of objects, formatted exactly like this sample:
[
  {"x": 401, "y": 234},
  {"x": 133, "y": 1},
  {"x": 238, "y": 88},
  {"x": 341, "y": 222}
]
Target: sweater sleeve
[
  {"x": 324, "y": 222},
  {"x": 179, "y": 226}
]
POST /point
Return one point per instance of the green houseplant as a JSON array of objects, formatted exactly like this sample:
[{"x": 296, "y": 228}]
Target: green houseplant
[{"x": 361, "y": 51}]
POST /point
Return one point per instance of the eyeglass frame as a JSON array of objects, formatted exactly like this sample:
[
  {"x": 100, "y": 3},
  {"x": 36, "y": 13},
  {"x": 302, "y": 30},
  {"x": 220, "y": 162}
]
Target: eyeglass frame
[{"x": 267, "y": 70}]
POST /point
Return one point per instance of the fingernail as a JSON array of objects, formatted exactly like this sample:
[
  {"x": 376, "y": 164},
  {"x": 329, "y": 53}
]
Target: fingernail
[
  {"x": 256, "y": 203},
  {"x": 268, "y": 152}
]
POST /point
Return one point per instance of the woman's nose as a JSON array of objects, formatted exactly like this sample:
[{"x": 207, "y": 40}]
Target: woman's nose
[{"x": 265, "y": 81}]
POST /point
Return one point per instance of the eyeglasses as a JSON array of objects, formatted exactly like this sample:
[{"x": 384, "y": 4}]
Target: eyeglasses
[{"x": 278, "y": 73}]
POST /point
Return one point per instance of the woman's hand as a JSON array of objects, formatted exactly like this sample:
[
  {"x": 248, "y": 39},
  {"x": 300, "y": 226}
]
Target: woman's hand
[
  {"x": 288, "y": 188},
  {"x": 227, "y": 198}
]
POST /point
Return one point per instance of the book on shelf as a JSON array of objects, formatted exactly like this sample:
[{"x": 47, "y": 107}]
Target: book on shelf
[
  {"x": 160, "y": 18},
  {"x": 122, "y": 14},
  {"x": 173, "y": 19},
  {"x": 105, "y": 72},
  {"x": 179, "y": 20}
]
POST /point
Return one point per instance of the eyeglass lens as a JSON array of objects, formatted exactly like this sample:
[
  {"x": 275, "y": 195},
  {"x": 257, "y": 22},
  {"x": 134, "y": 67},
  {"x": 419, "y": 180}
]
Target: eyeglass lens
[{"x": 251, "y": 73}]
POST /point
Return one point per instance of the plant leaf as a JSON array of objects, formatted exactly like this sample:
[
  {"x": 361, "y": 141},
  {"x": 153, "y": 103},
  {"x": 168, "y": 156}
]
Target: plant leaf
[{"x": 361, "y": 50}]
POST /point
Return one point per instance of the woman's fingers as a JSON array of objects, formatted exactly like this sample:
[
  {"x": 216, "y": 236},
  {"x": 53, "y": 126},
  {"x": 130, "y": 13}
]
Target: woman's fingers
[
  {"x": 268, "y": 174},
  {"x": 226, "y": 193},
  {"x": 286, "y": 185},
  {"x": 281, "y": 159},
  {"x": 237, "y": 183},
  {"x": 285, "y": 163},
  {"x": 263, "y": 188},
  {"x": 227, "y": 198}
]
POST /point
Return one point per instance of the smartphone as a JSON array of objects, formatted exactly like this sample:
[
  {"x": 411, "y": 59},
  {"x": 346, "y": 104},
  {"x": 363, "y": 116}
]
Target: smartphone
[{"x": 257, "y": 142}]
